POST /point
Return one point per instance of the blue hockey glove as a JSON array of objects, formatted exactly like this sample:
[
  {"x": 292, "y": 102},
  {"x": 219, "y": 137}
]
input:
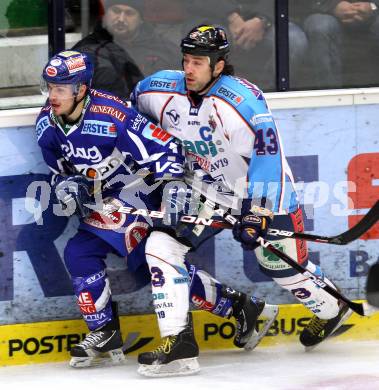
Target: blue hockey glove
[
  {"x": 253, "y": 223},
  {"x": 73, "y": 192}
]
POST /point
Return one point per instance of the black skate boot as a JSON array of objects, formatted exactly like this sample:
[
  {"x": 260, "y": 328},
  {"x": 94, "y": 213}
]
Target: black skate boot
[
  {"x": 318, "y": 330},
  {"x": 177, "y": 355},
  {"x": 246, "y": 312},
  {"x": 100, "y": 347}
]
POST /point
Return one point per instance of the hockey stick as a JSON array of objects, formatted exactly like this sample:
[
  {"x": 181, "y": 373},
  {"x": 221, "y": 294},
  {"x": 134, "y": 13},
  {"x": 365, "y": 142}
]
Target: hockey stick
[
  {"x": 229, "y": 222},
  {"x": 342, "y": 239},
  {"x": 356, "y": 307}
]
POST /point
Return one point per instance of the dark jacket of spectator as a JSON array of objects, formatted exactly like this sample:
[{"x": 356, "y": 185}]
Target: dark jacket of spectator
[
  {"x": 150, "y": 51},
  {"x": 115, "y": 70}
]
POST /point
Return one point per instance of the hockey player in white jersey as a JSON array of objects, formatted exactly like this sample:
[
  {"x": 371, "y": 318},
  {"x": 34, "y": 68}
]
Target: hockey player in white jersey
[
  {"x": 96, "y": 145},
  {"x": 236, "y": 160}
]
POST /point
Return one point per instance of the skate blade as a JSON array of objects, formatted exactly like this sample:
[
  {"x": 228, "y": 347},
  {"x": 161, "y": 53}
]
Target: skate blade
[
  {"x": 270, "y": 312},
  {"x": 111, "y": 358},
  {"x": 175, "y": 368},
  {"x": 342, "y": 320}
]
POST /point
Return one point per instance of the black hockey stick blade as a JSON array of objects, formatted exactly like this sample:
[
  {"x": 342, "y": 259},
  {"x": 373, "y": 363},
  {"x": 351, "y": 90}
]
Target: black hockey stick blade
[
  {"x": 341, "y": 239},
  {"x": 360, "y": 228},
  {"x": 372, "y": 287}
]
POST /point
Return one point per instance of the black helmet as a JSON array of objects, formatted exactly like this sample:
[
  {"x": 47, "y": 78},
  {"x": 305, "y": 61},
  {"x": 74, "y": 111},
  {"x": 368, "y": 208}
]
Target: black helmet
[{"x": 205, "y": 40}]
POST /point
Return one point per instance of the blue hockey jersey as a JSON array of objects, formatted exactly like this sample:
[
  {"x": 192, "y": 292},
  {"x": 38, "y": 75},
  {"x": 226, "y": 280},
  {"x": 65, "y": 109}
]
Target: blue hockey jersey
[{"x": 115, "y": 145}]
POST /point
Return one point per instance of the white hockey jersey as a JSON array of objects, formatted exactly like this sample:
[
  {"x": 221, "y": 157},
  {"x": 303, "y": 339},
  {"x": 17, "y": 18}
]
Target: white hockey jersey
[{"x": 232, "y": 145}]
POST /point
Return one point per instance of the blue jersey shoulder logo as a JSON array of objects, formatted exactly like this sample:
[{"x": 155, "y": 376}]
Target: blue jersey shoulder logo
[
  {"x": 99, "y": 128},
  {"x": 230, "y": 95},
  {"x": 157, "y": 134},
  {"x": 158, "y": 83},
  {"x": 41, "y": 126}
]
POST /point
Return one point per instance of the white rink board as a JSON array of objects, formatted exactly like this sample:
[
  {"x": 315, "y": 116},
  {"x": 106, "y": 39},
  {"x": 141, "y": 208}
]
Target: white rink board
[{"x": 319, "y": 141}]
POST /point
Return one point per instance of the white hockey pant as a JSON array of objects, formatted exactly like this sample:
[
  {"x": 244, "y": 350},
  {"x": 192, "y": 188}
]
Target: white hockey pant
[
  {"x": 321, "y": 303},
  {"x": 169, "y": 282}
]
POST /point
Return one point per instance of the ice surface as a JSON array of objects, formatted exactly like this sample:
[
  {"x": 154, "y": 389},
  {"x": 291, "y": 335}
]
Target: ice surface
[{"x": 332, "y": 366}]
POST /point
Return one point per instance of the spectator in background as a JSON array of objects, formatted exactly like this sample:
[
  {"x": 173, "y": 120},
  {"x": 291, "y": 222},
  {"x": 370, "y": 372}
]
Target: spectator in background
[
  {"x": 252, "y": 29},
  {"x": 115, "y": 70},
  {"x": 124, "y": 47},
  {"x": 344, "y": 39},
  {"x": 172, "y": 19},
  {"x": 124, "y": 20},
  {"x": 249, "y": 23}
]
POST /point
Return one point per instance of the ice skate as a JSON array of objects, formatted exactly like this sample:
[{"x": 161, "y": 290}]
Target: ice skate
[
  {"x": 177, "y": 355},
  {"x": 318, "y": 330},
  {"x": 100, "y": 347},
  {"x": 246, "y": 312}
]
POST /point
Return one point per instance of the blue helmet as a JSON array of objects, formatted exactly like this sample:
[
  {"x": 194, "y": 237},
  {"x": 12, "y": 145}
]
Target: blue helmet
[{"x": 69, "y": 67}]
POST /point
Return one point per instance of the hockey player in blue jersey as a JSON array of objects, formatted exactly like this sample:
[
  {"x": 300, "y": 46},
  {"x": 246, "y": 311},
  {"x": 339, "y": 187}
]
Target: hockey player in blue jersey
[
  {"x": 95, "y": 145},
  {"x": 236, "y": 160}
]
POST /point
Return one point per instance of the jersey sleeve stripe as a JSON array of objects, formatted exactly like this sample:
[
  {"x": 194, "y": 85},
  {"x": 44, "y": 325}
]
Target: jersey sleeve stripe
[
  {"x": 139, "y": 144},
  {"x": 163, "y": 109}
]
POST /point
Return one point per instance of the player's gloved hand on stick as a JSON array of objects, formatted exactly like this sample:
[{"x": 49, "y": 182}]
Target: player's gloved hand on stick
[
  {"x": 73, "y": 192},
  {"x": 253, "y": 223}
]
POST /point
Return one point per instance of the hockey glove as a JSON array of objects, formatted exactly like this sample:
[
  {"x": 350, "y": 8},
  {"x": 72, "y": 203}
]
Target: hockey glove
[
  {"x": 73, "y": 192},
  {"x": 253, "y": 223},
  {"x": 177, "y": 199}
]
